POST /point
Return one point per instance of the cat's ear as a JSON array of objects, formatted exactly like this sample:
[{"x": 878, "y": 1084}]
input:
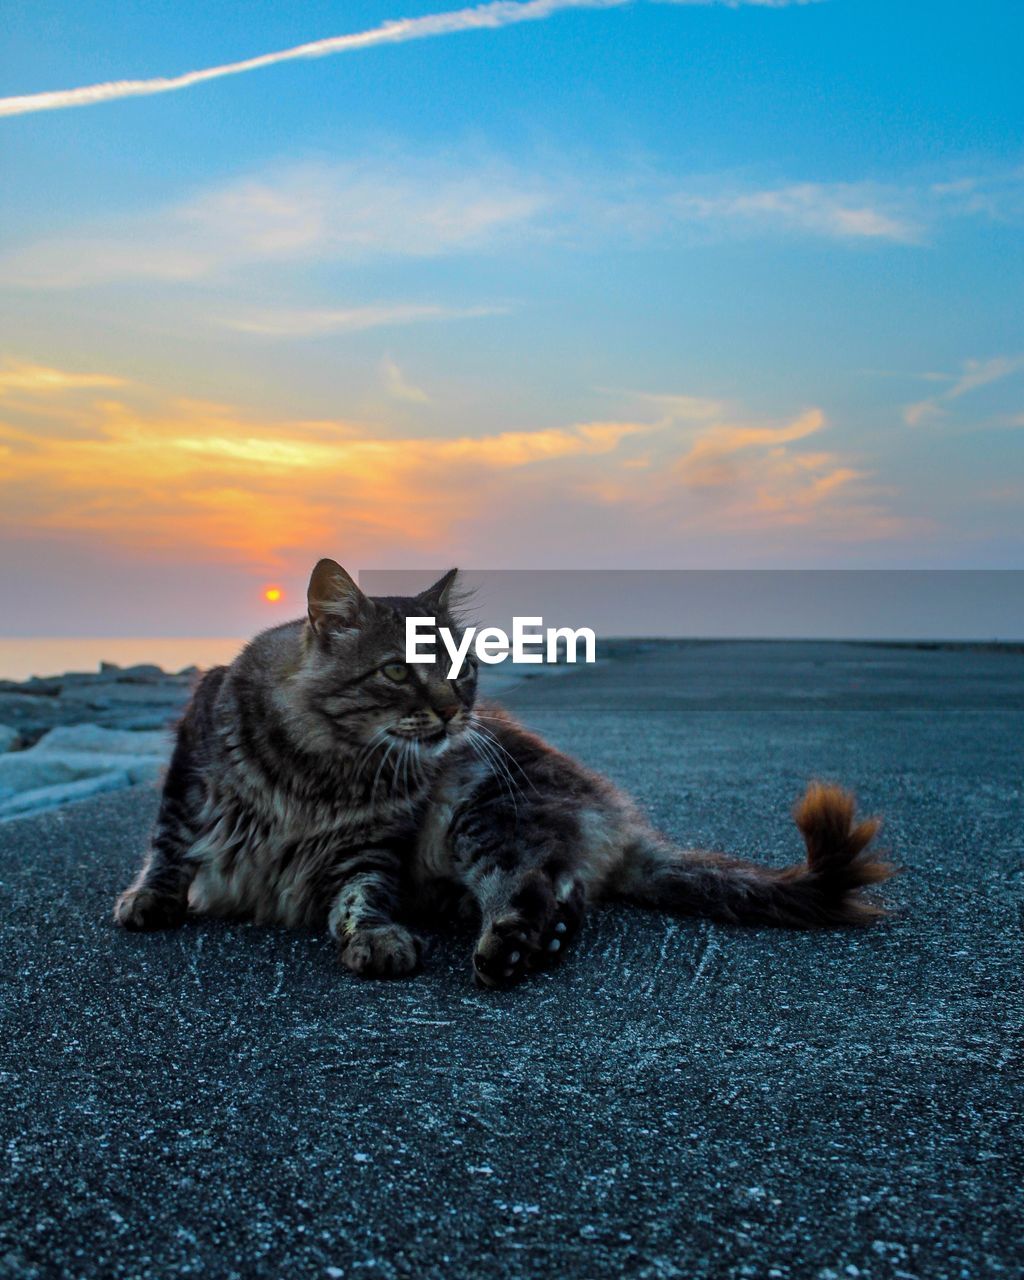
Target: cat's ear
[
  {"x": 333, "y": 597},
  {"x": 438, "y": 598}
]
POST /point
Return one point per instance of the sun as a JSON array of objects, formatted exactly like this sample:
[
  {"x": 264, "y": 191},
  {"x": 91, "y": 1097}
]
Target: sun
[{"x": 273, "y": 594}]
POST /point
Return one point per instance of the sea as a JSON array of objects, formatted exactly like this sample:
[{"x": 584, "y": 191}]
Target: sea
[{"x": 22, "y": 657}]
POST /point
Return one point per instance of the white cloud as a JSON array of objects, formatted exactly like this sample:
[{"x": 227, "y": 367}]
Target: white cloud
[
  {"x": 979, "y": 373},
  {"x": 312, "y": 322},
  {"x": 839, "y": 211},
  {"x": 398, "y": 387},
  {"x": 996, "y": 195},
  {"x": 399, "y": 207},
  {"x": 683, "y": 408},
  {"x": 974, "y": 375}
]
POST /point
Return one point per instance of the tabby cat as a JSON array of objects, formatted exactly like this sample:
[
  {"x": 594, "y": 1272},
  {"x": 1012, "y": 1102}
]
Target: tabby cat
[{"x": 321, "y": 779}]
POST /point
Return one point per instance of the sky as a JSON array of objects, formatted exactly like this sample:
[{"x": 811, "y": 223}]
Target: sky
[{"x": 606, "y": 284}]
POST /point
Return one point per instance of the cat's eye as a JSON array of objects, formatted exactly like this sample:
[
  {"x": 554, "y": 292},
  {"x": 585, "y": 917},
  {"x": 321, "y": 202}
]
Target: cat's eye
[{"x": 396, "y": 671}]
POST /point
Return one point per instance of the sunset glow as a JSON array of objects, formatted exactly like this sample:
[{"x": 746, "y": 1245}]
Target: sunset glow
[
  {"x": 187, "y": 478},
  {"x": 392, "y": 328}
]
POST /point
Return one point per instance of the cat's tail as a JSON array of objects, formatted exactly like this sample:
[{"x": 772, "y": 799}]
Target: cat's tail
[{"x": 822, "y": 890}]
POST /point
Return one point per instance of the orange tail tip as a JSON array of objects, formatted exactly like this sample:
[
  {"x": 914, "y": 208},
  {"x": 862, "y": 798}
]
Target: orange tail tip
[{"x": 837, "y": 844}]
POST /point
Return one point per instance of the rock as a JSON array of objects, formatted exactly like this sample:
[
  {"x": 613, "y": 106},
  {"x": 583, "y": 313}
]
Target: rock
[
  {"x": 29, "y": 716},
  {"x": 86, "y": 739},
  {"x": 36, "y": 687},
  {"x": 33, "y": 707},
  {"x": 141, "y": 673},
  {"x": 59, "y": 767},
  {"x": 147, "y": 769},
  {"x": 128, "y": 691},
  {"x": 8, "y": 738},
  {"x": 25, "y": 771},
  {"x": 152, "y": 721},
  {"x": 45, "y": 686},
  {"x": 48, "y": 797}
]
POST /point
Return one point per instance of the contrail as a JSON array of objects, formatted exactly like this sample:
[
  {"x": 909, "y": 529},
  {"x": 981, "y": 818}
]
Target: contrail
[{"x": 499, "y": 13}]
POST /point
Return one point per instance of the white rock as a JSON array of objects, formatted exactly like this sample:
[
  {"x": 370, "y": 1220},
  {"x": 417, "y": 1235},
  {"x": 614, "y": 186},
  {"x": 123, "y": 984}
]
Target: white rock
[
  {"x": 21, "y": 771},
  {"x": 73, "y": 761},
  {"x": 91, "y": 738},
  {"x": 50, "y": 797},
  {"x": 116, "y": 692}
]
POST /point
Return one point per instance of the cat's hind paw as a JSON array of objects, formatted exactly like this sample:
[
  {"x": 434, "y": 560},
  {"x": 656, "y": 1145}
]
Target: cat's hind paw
[
  {"x": 388, "y": 951},
  {"x": 504, "y": 953},
  {"x": 562, "y": 928},
  {"x": 545, "y": 919}
]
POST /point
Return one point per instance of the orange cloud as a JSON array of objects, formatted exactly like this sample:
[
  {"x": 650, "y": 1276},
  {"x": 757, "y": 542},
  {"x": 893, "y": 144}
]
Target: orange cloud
[
  {"x": 17, "y": 375},
  {"x": 195, "y": 475},
  {"x": 757, "y": 478},
  {"x": 193, "y": 480},
  {"x": 710, "y": 462}
]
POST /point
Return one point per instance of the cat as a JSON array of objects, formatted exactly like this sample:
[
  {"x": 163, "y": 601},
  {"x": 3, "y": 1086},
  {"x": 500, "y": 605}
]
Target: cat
[{"x": 320, "y": 779}]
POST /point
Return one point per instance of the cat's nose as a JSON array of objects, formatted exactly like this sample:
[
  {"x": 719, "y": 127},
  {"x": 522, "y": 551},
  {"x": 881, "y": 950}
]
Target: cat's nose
[{"x": 447, "y": 713}]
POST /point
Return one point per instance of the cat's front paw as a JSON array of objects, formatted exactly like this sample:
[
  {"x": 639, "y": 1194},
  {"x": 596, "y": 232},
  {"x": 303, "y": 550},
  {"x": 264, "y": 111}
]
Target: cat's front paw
[
  {"x": 388, "y": 951},
  {"x": 143, "y": 909}
]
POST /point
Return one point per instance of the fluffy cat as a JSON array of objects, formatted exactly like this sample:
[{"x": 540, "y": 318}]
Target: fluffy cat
[{"x": 321, "y": 780}]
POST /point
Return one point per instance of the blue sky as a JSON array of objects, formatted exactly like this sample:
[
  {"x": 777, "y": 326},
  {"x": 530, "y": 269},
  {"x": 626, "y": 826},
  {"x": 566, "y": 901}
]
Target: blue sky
[{"x": 690, "y": 285}]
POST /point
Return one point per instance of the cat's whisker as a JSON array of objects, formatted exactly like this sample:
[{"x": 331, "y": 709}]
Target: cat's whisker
[
  {"x": 495, "y": 765},
  {"x": 396, "y": 775},
  {"x": 487, "y": 745},
  {"x": 507, "y": 754},
  {"x": 364, "y": 759},
  {"x": 406, "y": 754},
  {"x": 475, "y": 748},
  {"x": 376, "y": 776},
  {"x": 418, "y": 767}
]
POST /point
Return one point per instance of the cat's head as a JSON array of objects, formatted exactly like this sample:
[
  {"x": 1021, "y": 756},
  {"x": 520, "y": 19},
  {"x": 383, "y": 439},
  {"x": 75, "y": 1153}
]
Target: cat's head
[{"x": 356, "y": 680}]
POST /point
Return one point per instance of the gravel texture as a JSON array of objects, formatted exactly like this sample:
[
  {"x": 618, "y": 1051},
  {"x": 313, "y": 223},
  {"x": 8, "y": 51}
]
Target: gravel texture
[{"x": 679, "y": 1100}]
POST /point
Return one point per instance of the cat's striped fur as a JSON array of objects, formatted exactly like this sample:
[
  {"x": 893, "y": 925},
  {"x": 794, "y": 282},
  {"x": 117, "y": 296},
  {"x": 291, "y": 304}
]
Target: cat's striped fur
[{"x": 320, "y": 780}]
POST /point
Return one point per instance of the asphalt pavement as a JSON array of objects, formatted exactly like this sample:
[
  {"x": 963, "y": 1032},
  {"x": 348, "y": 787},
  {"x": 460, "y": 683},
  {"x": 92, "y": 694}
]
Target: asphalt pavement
[{"x": 681, "y": 1099}]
